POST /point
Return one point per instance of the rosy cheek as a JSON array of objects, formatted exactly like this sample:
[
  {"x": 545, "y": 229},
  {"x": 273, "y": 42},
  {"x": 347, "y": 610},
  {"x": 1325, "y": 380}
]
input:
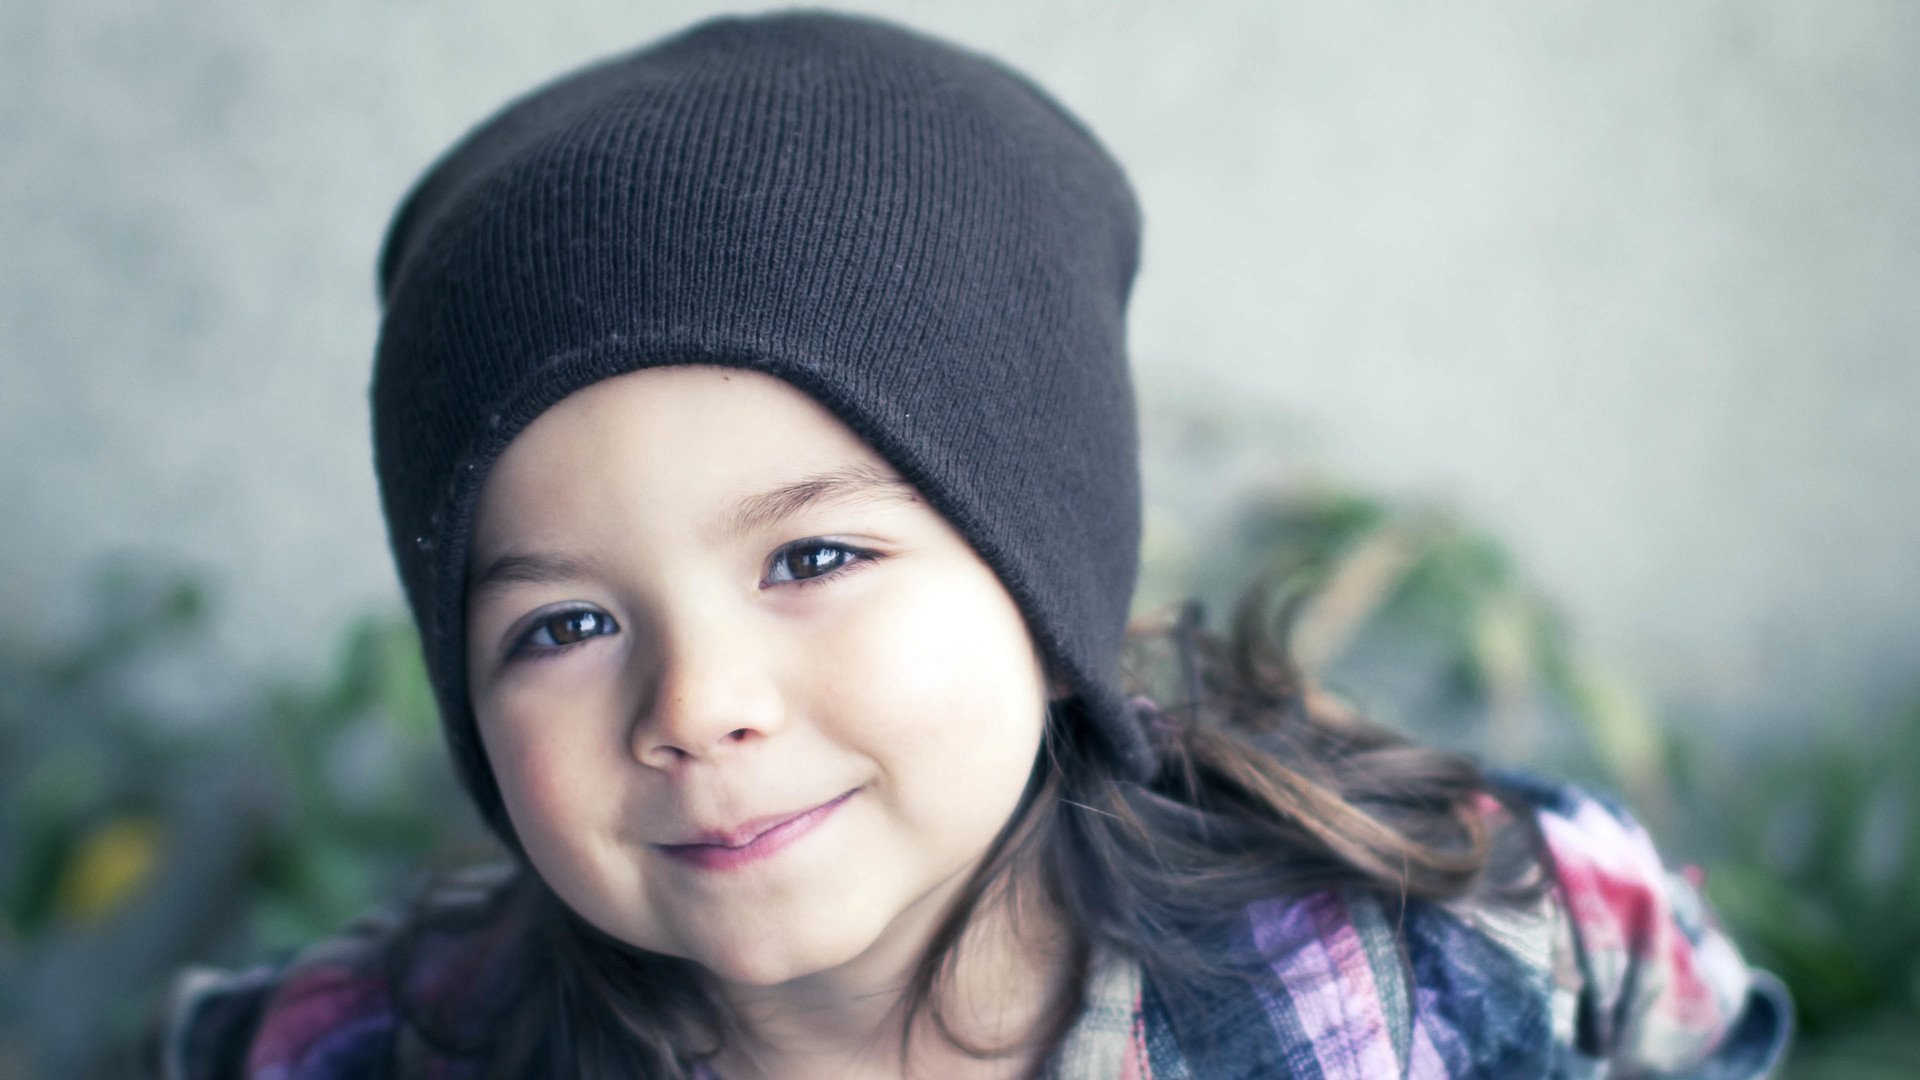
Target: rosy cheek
[
  {"x": 899, "y": 665},
  {"x": 537, "y": 773},
  {"x": 943, "y": 675}
]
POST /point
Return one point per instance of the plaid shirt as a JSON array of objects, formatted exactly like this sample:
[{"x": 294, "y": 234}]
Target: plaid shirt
[{"x": 1619, "y": 971}]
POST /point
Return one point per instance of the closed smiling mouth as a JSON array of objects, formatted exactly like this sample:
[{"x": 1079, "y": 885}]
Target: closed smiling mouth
[{"x": 753, "y": 841}]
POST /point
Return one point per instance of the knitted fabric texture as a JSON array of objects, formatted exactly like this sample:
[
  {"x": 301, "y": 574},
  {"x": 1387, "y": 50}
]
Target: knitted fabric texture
[{"x": 912, "y": 234}]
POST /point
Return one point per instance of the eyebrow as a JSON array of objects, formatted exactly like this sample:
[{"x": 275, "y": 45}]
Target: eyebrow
[
  {"x": 856, "y": 484},
  {"x": 544, "y": 568}
]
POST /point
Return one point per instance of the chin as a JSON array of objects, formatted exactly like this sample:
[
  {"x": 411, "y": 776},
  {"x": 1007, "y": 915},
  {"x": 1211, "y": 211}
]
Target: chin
[{"x": 774, "y": 957}]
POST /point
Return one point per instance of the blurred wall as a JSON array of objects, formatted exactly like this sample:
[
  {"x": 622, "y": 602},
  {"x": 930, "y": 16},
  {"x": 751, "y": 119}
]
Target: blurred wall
[{"x": 1633, "y": 285}]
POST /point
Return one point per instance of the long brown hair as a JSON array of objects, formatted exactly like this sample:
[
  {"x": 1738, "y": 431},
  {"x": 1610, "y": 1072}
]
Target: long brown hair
[{"x": 1266, "y": 787}]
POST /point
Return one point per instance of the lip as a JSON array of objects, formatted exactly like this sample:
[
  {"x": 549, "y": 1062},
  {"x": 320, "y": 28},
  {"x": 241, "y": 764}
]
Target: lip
[{"x": 753, "y": 842}]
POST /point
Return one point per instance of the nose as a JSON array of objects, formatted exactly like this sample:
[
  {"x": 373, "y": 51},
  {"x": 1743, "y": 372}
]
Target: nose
[{"x": 713, "y": 691}]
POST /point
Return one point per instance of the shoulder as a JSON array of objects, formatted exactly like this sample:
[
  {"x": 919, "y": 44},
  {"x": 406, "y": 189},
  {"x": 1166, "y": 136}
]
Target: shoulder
[
  {"x": 1644, "y": 976},
  {"x": 1344, "y": 985},
  {"x": 326, "y": 1013},
  {"x": 340, "y": 1008},
  {"x": 1616, "y": 969}
]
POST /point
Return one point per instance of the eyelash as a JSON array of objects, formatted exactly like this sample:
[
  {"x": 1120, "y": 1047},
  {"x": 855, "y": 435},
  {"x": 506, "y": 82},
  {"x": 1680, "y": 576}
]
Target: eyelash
[
  {"x": 524, "y": 648},
  {"x": 857, "y": 559}
]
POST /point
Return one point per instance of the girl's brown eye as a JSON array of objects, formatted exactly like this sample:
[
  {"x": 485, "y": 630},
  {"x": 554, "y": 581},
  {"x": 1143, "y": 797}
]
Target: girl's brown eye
[
  {"x": 816, "y": 562},
  {"x": 813, "y": 561},
  {"x": 566, "y": 628},
  {"x": 576, "y": 626}
]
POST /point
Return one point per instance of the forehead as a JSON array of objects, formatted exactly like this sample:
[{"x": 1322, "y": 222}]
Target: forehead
[
  {"x": 689, "y": 402},
  {"x": 680, "y": 442}
]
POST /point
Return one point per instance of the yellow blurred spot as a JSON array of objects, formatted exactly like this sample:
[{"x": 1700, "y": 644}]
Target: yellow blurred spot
[
  {"x": 1502, "y": 640},
  {"x": 1627, "y": 739},
  {"x": 108, "y": 868}
]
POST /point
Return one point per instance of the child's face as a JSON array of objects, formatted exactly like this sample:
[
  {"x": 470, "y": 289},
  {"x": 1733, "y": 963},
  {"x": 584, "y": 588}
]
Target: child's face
[{"x": 673, "y": 647}]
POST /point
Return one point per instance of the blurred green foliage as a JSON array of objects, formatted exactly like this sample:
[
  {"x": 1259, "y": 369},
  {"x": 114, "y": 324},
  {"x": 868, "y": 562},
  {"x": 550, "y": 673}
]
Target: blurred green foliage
[
  {"x": 136, "y": 842},
  {"x": 1430, "y": 626},
  {"x": 1818, "y": 870}
]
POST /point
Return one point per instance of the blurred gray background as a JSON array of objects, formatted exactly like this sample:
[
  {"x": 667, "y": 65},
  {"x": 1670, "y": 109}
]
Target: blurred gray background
[{"x": 1631, "y": 285}]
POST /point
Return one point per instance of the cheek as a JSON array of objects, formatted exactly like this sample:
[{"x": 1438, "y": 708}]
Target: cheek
[
  {"x": 557, "y": 784},
  {"x": 534, "y": 779},
  {"x": 552, "y": 725},
  {"x": 947, "y": 698}
]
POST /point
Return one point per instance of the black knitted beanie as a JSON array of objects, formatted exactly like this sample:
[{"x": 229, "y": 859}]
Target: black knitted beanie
[{"x": 915, "y": 236}]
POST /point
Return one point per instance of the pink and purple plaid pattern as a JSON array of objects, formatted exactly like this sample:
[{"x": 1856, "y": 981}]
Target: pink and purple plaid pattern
[{"x": 1620, "y": 971}]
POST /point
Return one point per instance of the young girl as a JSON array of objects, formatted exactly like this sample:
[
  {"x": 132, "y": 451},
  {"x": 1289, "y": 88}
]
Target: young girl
[{"x": 753, "y": 426}]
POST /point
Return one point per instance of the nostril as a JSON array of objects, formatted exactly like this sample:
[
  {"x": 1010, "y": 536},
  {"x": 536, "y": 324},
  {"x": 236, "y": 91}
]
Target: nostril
[{"x": 737, "y": 734}]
